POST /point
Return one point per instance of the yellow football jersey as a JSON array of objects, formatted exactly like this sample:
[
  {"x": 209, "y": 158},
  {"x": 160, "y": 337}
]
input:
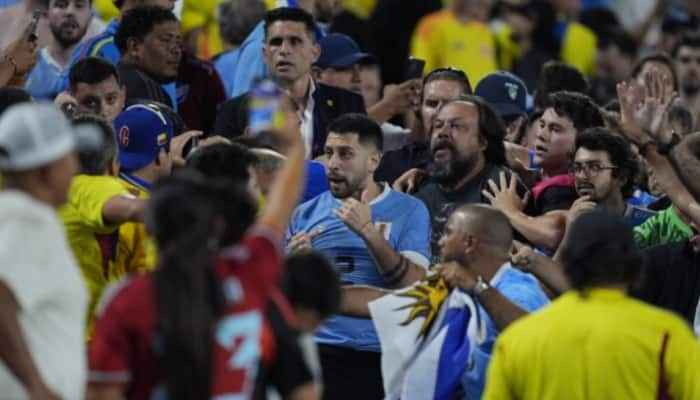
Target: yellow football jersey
[
  {"x": 598, "y": 344},
  {"x": 137, "y": 252},
  {"x": 93, "y": 242},
  {"x": 443, "y": 41}
]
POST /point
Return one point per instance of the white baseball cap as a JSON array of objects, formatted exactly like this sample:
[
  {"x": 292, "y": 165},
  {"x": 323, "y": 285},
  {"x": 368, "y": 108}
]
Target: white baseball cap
[{"x": 33, "y": 135}]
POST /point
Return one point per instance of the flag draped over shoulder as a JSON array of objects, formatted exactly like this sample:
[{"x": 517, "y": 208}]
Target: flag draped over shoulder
[{"x": 427, "y": 334}]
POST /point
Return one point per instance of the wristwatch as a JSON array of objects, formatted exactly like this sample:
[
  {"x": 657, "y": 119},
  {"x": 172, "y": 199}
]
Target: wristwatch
[{"x": 480, "y": 286}]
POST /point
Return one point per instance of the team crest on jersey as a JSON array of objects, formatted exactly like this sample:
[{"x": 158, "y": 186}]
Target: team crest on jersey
[
  {"x": 124, "y": 136},
  {"x": 384, "y": 228},
  {"x": 512, "y": 89}
]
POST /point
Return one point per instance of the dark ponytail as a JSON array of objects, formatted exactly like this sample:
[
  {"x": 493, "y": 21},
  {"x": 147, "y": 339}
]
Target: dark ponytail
[{"x": 189, "y": 218}]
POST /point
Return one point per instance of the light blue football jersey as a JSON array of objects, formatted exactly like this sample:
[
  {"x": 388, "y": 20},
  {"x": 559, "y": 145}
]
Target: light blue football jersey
[
  {"x": 44, "y": 82},
  {"x": 405, "y": 224}
]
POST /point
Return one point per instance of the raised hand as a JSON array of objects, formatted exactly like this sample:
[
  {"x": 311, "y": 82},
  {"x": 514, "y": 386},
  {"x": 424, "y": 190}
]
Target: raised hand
[
  {"x": 504, "y": 196},
  {"x": 581, "y": 206},
  {"x": 355, "y": 214}
]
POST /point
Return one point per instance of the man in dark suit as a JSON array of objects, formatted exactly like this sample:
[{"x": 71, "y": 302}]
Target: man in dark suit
[{"x": 290, "y": 50}]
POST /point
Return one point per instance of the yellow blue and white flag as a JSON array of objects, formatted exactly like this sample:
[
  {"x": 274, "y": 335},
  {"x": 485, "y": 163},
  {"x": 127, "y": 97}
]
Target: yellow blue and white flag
[{"x": 427, "y": 334}]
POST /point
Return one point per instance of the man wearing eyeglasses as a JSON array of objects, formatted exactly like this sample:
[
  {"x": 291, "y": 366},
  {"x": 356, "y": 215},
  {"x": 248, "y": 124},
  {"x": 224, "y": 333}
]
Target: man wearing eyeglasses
[{"x": 605, "y": 169}]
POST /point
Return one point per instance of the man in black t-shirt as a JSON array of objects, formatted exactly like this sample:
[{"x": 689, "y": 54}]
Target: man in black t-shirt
[
  {"x": 149, "y": 40},
  {"x": 466, "y": 147},
  {"x": 672, "y": 278}
]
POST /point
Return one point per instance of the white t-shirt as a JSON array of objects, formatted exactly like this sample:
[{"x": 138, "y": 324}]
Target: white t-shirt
[{"x": 38, "y": 267}]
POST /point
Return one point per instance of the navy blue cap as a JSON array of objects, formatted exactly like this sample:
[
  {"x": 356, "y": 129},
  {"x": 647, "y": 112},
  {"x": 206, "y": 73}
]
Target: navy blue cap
[
  {"x": 339, "y": 51},
  {"x": 142, "y": 132},
  {"x": 505, "y": 92}
]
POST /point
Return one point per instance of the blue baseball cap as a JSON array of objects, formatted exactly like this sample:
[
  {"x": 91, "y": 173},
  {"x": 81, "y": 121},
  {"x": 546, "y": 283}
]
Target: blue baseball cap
[
  {"x": 505, "y": 92},
  {"x": 142, "y": 131},
  {"x": 340, "y": 51}
]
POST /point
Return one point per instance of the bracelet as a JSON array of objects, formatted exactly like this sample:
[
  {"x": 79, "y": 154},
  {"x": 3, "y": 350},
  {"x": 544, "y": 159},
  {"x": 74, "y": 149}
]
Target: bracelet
[
  {"x": 394, "y": 275},
  {"x": 13, "y": 62}
]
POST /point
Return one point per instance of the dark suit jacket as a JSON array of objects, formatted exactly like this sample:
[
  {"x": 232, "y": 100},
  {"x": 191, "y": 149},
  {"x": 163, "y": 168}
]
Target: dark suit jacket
[{"x": 330, "y": 102}]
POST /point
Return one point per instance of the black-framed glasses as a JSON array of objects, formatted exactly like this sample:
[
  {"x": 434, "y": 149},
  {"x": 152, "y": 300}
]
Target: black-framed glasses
[{"x": 590, "y": 168}]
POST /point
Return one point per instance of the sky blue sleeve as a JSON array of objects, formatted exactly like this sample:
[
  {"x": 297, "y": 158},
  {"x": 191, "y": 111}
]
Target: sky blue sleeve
[
  {"x": 250, "y": 62},
  {"x": 415, "y": 237}
]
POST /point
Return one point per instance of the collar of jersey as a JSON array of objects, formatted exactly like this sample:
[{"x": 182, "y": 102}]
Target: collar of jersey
[
  {"x": 135, "y": 181},
  {"x": 385, "y": 192}
]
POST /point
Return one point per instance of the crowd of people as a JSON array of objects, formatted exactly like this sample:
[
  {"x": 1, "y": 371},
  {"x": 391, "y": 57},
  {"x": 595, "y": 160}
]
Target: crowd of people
[{"x": 537, "y": 156}]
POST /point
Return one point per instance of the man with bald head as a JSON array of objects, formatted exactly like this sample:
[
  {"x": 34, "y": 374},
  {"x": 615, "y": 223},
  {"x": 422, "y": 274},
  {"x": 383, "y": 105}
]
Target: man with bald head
[{"x": 474, "y": 250}]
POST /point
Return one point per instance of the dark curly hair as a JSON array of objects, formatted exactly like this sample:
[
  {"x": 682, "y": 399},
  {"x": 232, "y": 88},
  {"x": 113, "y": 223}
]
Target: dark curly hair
[
  {"x": 619, "y": 151},
  {"x": 139, "y": 22},
  {"x": 579, "y": 108}
]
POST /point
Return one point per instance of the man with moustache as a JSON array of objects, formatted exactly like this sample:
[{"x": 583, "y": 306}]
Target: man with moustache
[
  {"x": 374, "y": 235},
  {"x": 68, "y": 21},
  {"x": 467, "y": 151},
  {"x": 149, "y": 40},
  {"x": 439, "y": 86}
]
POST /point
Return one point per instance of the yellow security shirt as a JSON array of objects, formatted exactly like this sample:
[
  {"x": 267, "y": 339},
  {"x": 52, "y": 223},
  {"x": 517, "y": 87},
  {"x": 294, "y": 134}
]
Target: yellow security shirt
[
  {"x": 137, "y": 252},
  {"x": 94, "y": 243},
  {"x": 443, "y": 41},
  {"x": 597, "y": 345}
]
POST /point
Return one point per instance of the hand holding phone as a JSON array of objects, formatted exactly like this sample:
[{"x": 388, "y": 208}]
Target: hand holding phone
[{"x": 414, "y": 68}]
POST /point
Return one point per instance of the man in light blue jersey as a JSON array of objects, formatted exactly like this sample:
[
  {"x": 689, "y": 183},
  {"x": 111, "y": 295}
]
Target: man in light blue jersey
[
  {"x": 68, "y": 22},
  {"x": 374, "y": 235}
]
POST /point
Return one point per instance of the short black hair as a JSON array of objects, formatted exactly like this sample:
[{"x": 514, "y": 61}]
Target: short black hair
[
  {"x": 368, "y": 131},
  {"x": 615, "y": 36},
  {"x": 229, "y": 161},
  {"x": 579, "y": 108},
  {"x": 309, "y": 280},
  {"x": 620, "y": 154},
  {"x": 661, "y": 58},
  {"x": 92, "y": 70},
  {"x": 11, "y": 95},
  {"x": 557, "y": 76},
  {"x": 449, "y": 74},
  {"x": 95, "y": 162},
  {"x": 601, "y": 251},
  {"x": 688, "y": 39},
  {"x": 293, "y": 14},
  {"x": 139, "y": 22},
  {"x": 491, "y": 128}
]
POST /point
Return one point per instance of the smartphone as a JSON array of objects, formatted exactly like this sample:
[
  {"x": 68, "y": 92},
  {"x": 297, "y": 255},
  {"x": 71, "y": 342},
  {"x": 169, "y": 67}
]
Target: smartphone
[
  {"x": 35, "y": 23},
  {"x": 414, "y": 68},
  {"x": 264, "y": 112}
]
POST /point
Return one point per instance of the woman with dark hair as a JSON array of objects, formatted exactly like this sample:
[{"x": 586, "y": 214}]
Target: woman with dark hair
[{"x": 195, "y": 328}]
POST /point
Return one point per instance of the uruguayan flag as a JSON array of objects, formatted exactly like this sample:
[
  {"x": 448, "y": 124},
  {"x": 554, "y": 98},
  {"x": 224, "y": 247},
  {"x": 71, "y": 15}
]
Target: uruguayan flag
[{"x": 427, "y": 334}]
